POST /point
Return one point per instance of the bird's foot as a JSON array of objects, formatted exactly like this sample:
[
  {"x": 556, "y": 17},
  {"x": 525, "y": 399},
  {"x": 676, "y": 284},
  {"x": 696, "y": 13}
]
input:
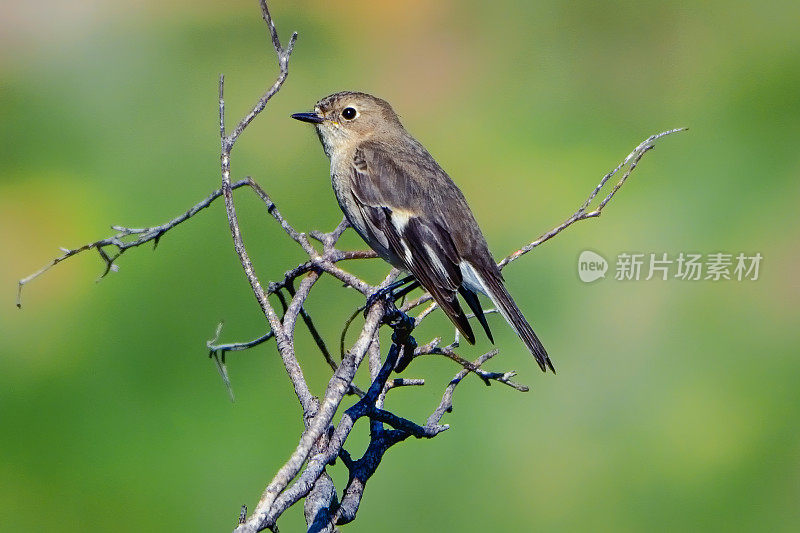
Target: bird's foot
[
  {"x": 390, "y": 294},
  {"x": 402, "y": 324}
]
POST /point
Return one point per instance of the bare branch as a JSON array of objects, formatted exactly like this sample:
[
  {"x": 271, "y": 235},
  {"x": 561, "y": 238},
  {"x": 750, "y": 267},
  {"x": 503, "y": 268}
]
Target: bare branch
[
  {"x": 283, "y": 63},
  {"x": 222, "y": 349},
  {"x": 381, "y": 440},
  {"x": 446, "y": 405},
  {"x": 285, "y": 342},
  {"x": 631, "y": 160},
  {"x": 218, "y": 351},
  {"x": 275, "y": 500},
  {"x": 144, "y": 235},
  {"x": 486, "y": 377},
  {"x": 272, "y": 209},
  {"x": 223, "y": 372},
  {"x": 364, "y": 407},
  {"x": 397, "y": 383},
  {"x": 273, "y": 31},
  {"x": 320, "y": 342}
]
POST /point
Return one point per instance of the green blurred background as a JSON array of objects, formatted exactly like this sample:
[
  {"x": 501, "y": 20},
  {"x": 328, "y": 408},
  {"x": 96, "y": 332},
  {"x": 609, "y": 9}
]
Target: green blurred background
[{"x": 677, "y": 403}]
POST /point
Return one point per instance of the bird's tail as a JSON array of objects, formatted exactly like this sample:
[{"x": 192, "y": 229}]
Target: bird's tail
[{"x": 492, "y": 286}]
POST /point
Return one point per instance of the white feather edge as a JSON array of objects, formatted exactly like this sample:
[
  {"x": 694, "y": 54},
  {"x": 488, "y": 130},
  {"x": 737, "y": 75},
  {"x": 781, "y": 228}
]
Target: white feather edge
[
  {"x": 474, "y": 282},
  {"x": 472, "y": 279}
]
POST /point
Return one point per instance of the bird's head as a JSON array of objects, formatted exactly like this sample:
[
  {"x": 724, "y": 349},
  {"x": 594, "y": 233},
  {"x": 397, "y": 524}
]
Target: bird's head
[{"x": 348, "y": 118}]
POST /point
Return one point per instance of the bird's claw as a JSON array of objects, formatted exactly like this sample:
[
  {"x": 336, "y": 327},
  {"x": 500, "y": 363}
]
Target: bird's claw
[
  {"x": 401, "y": 323},
  {"x": 388, "y": 294}
]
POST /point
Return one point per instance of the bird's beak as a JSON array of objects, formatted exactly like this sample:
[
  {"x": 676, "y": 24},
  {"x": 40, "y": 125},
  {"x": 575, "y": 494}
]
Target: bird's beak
[{"x": 308, "y": 117}]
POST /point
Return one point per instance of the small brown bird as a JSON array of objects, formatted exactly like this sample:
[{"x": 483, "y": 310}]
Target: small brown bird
[{"x": 410, "y": 212}]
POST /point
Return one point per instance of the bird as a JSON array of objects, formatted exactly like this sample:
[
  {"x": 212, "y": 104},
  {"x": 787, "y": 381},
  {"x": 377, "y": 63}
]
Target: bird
[{"x": 408, "y": 210}]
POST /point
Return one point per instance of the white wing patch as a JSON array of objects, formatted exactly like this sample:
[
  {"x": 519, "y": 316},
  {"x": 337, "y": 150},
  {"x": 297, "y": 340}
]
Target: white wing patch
[
  {"x": 475, "y": 283},
  {"x": 472, "y": 279},
  {"x": 400, "y": 218}
]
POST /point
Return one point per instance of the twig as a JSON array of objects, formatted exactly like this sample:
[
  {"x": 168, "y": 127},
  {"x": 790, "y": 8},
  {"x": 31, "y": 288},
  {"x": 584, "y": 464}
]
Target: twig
[
  {"x": 446, "y": 405},
  {"x": 144, "y": 235},
  {"x": 631, "y": 160},
  {"x": 222, "y": 349},
  {"x": 397, "y": 383},
  {"x": 155, "y": 233},
  {"x": 486, "y": 377},
  {"x": 284, "y": 341},
  {"x": 320, "y": 342}
]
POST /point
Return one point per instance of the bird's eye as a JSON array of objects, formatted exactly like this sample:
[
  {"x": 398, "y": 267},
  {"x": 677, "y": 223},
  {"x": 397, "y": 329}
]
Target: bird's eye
[{"x": 349, "y": 113}]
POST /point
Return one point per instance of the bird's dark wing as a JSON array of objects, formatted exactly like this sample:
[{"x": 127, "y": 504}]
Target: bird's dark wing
[
  {"x": 407, "y": 201},
  {"x": 393, "y": 205}
]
